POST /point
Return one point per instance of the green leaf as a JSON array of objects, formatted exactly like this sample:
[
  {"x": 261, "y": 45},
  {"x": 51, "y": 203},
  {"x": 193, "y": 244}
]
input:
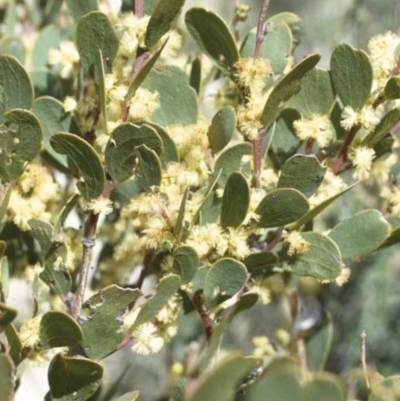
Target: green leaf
[
  {"x": 4, "y": 203},
  {"x": 167, "y": 288},
  {"x": 223, "y": 280},
  {"x": 64, "y": 213},
  {"x": 186, "y": 263},
  {"x": 321, "y": 207},
  {"x": 392, "y": 239},
  {"x": 180, "y": 221},
  {"x": 235, "y": 201},
  {"x": 222, "y": 381},
  {"x": 319, "y": 346},
  {"x": 72, "y": 378},
  {"x": 15, "y": 86},
  {"x": 58, "y": 281},
  {"x": 178, "y": 100},
  {"x": 86, "y": 160},
  {"x": 4, "y": 271},
  {"x": 48, "y": 38},
  {"x": 280, "y": 207},
  {"x": 383, "y": 128},
  {"x": 302, "y": 172},
  {"x": 93, "y": 33},
  {"x": 43, "y": 233},
  {"x": 170, "y": 152},
  {"x": 131, "y": 396},
  {"x": 322, "y": 261},
  {"x": 101, "y": 320},
  {"x": 53, "y": 118},
  {"x": 222, "y": 128},
  {"x": 277, "y": 46},
  {"x": 230, "y": 160},
  {"x": 13, "y": 46},
  {"x": 279, "y": 381},
  {"x": 100, "y": 84},
  {"x": 14, "y": 344},
  {"x": 287, "y": 87},
  {"x": 392, "y": 88},
  {"x": 213, "y": 37},
  {"x": 360, "y": 234},
  {"x": 20, "y": 141},
  {"x": 120, "y": 154},
  {"x": 7, "y": 315},
  {"x": 78, "y": 8},
  {"x": 324, "y": 386},
  {"x": 143, "y": 72},
  {"x": 161, "y": 20},
  {"x": 352, "y": 76},
  {"x": 261, "y": 263},
  {"x": 387, "y": 389},
  {"x": 7, "y": 378},
  {"x": 316, "y": 95},
  {"x": 149, "y": 167},
  {"x": 57, "y": 329},
  {"x": 195, "y": 75}
]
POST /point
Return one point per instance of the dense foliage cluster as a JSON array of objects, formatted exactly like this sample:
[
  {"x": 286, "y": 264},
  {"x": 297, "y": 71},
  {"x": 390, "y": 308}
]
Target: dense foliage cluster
[{"x": 145, "y": 190}]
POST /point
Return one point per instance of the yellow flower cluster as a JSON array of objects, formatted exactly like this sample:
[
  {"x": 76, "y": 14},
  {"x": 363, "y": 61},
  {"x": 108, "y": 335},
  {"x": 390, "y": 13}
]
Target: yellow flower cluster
[{"x": 317, "y": 127}]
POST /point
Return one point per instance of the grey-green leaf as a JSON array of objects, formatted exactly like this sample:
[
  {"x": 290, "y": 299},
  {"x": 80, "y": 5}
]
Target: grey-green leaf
[
  {"x": 13, "y": 46},
  {"x": 186, "y": 262},
  {"x": 178, "y": 100},
  {"x": 302, "y": 172},
  {"x": 86, "y": 160},
  {"x": 360, "y": 234},
  {"x": 277, "y": 46},
  {"x": 57, "y": 329},
  {"x": 42, "y": 231},
  {"x": 322, "y": 260},
  {"x": 72, "y": 378},
  {"x": 316, "y": 95},
  {"x": 7, "y": 378},
  {"x": 384, "y": 126},
  {"x": 281, "y": 206},
  {"x": 235, "y": 201},
  {"x": 101, "y": 320},
  {"x": 392, "y": 88},
  {"x": 161, "y": 19},
  {"x": 222, "y": 128},
  {"x": 149, "y": 167},
  {"x": 222, "y": 381},
  {"x": 170, "y": 151},
  {"x": 19, "y": 142},
  {"x": 15, "y": 86},
  {"x": 78, "y": 8},
  {"x": 7, "y": 315},
  {"x": 352, "y": 76},
  {"x": 166, "y": 289},
  {"x": 287, "y": 87},
  {"x": 213, "y": 37},
  {"x": 223, "y": 280},
  {"x": 230, "y": 160},
  {"x": 95, "y": 32},
  {"x": 120, "y": 156}
]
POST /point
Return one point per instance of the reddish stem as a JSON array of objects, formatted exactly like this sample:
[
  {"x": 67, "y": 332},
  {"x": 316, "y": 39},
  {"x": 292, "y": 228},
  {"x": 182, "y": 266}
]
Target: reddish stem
[{"x": 260, "y": 28}]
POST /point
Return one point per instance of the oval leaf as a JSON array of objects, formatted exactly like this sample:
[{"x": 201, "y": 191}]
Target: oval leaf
[
  {"x": 161, "y": 20},
  {"x": 93, "y": 33},
  {"x": 213, "y": 37},
  {"x": 149, "y": 166},
  {"x": 101, "y": 320},
  {"x": 287, "y": 87},
  {"x": 120, "y": 154},
  {"x": 178, "y": 100},
  {"x": 13, "y": 46},
  {"x": 281, "y": 207},
  {"x": 58, "y": 329},
  {"x": 7, "y": 314},
  {"x": 15, "y": 86},
  {"x": 222, "y": 128},
  {"x": 392, "y": 88},
  {"x": 78, "y": 8},
  {"x": 352, "y": 76},
  {"x": 186, "y": 263},
  {"x": 360, "y": 234},
  {"x": 170, "y": 151},
  {"x": 302, "y": 172},
  {"x": 86, "y": 160},
  {"x": 223, "y": 280},
  {"x": 19, "y": 142},
  {"x": 383, "y": 128},
  {"x": 222, "y": 381},
  {"x": 229, "y": 161},
  {"x": 235, "y": 202},
  {"x": 322, "y": 261},
  {"x": 73, "y": 378},
  {"x": 324, "y": 386}
]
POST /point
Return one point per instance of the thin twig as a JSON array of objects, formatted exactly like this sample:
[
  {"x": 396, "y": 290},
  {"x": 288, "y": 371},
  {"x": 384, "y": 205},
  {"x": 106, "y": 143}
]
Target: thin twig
[
  {"x": 203, "y": 312},
  {"x": 309, "y": 146},
  {"x": 138, "y": 7},
  {"x": 257, "y": 160},
  {"x": 148, "y": 256},
  {"x": 364, "y": 360},
  {"x": 275, "y": 240},
  {"x": 301, "y": 352},
  {"x": 342, "y": 157},
  {"x": 260, "y": 28}
]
